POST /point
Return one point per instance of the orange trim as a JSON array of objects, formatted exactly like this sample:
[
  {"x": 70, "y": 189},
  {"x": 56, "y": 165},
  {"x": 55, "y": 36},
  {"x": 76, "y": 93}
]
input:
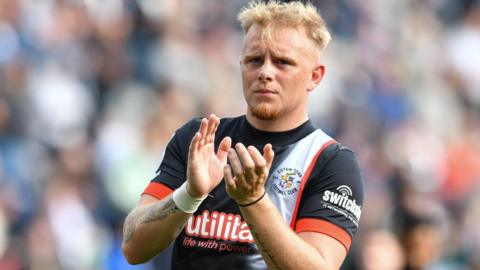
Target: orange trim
[
  {"x": 304, "y": 180},
  {"x": 324, "y": 227},
  {"x": 157, "y": 190}
]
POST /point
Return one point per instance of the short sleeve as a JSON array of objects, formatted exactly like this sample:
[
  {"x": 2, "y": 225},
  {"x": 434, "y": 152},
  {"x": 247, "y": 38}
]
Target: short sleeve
[
  {"x": 333, "y": 197},
  {"x": 172, "y": 170}
]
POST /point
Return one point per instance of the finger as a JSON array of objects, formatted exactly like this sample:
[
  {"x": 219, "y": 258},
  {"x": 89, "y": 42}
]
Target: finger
[
  {"x": 268, "y": 155},
  {"x": 260, "y": 165},
  {"x": 203, "y": 132},
  {"x": 229, "y": 181},
  {"x": 192, "y": 150},
  {"x": 258, "y": 159},
  {"x": 210, "y": 128},
  {"x": 247, "y": 162},
  {"x": 223, "y": 148},
  {"x": 236, "y": 167},
  {"x": 215, "y": 127}
]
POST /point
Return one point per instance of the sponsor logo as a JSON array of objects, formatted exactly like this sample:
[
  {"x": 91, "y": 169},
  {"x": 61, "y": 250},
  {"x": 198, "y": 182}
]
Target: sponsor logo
[
  {"x": 218, "y": 225},
  {"x": 286, "y": 181},
  {"x": 345, "y": 190},
  {"x": 341, "y": 202}
]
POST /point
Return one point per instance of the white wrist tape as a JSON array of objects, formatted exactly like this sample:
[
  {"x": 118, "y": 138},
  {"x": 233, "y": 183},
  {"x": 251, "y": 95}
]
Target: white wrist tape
[{"x": 184, "y": 201}]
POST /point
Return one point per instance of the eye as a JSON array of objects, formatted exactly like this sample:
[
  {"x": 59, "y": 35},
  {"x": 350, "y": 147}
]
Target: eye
[
  {"x": 283, "y": 62},
  {"x": 255, "y": 60}
]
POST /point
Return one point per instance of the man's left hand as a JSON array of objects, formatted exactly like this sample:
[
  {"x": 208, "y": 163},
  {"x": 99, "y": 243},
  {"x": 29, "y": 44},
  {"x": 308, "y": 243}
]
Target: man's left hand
[{"x": 248, "y": 170}]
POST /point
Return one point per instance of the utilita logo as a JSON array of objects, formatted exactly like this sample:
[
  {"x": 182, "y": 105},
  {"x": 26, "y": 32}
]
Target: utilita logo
[{"x": 217, "y": 225}]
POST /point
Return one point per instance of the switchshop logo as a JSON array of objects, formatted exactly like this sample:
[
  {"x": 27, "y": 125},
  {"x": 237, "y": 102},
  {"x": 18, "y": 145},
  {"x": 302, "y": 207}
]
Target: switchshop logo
[
  {"x": 341, "y": 202},
  {"x": 345, "y": 190}
]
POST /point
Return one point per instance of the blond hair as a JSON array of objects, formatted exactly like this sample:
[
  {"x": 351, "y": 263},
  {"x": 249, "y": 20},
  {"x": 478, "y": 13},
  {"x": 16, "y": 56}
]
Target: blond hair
[{"x": 291, "y": 14}]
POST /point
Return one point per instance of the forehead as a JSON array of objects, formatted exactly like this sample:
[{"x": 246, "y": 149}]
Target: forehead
[{"x": 278, "y": 39}]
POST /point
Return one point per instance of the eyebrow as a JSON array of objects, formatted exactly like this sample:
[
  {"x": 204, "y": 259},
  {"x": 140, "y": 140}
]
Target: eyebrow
[
  {"x": 286, "y": 58},
  {"x": 250, "y": 55}
]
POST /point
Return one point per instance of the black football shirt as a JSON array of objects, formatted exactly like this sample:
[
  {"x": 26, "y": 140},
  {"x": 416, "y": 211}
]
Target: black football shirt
[{"x": 314, "y": 181}]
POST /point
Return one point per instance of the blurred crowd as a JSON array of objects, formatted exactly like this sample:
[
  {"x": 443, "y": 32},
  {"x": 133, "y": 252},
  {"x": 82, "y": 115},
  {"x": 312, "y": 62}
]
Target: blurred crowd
[{"x": 91, "y": 91}]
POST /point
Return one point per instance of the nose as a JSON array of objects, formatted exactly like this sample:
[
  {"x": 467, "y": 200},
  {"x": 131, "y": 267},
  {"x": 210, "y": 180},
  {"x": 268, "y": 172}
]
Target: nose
[{"x": 266, "y": 72}]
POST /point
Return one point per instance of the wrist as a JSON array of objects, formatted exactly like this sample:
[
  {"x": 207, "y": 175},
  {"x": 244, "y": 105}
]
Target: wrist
[
  {"x": 192, "y": 194},
  {"x": 184, "y": 201},
  {"x": 252, "y": 202}
]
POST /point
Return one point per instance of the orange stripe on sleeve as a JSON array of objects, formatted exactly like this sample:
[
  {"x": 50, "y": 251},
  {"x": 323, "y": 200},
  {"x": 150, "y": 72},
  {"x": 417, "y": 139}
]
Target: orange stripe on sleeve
[
  {"x": 324, "y": 227},
  {"x": 157, "y": 190}
]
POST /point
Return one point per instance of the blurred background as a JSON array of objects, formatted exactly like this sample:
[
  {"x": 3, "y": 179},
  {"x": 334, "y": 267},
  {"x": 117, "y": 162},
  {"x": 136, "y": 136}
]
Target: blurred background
[{"x": 91, "y": 91}]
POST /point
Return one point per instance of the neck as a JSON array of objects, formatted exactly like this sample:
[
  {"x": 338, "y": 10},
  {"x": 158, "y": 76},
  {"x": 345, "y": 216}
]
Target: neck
[{"x": 276, "y": 125}]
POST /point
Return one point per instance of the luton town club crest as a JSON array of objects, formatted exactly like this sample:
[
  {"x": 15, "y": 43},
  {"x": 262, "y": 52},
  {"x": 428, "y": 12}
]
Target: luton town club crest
[{"x": 286, "y": 181}]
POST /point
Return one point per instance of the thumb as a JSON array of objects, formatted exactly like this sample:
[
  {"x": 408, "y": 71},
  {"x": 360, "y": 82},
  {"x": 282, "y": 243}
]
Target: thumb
[
  {"x": 268, "y": 154},
  {"x": 223, "y": 148}
]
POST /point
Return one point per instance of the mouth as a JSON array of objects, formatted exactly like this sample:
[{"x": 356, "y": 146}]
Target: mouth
[{"x": 265, "y": 92}]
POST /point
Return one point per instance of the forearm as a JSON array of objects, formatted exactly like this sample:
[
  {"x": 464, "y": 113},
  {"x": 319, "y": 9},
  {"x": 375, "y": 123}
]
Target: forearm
[
  {"x": 280, "y": 247},
  {"x": 150, "y": 229}
]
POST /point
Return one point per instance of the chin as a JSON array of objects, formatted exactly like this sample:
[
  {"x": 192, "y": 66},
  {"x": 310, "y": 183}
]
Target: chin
[{"x": 265, "y": 112}]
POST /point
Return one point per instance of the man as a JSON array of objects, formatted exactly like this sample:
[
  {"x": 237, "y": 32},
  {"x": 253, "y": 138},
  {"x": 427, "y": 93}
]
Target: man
[{"x": 292, "y": 195}]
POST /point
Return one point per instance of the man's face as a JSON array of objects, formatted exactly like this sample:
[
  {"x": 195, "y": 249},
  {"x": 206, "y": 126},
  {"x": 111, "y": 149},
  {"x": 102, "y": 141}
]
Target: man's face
[{"x": 278, "y": 72}]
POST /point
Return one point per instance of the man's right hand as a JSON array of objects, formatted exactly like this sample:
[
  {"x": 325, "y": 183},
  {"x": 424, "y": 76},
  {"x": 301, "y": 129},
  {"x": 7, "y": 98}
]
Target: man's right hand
[{"x": 205, "y": 167}]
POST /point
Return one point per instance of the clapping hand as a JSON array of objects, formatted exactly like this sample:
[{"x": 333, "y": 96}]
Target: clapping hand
[
  {"x": 247, "y": 173},
  {"x": 205, "y": 167}
]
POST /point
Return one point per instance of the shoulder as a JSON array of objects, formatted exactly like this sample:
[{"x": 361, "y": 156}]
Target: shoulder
[
  {"x": 229, "y": 126},
  {"x": 231, "y": 121},
  {"x": 179, "y": 143},
  {"x": 337, "y": 166},
  {"x": 338, "y": 155},
  {"x": 189, "y": 128},
  {"x": 194, "y": 124},
  {"x": 337, "y": 158},
  {"x": 186, "y": 132}
]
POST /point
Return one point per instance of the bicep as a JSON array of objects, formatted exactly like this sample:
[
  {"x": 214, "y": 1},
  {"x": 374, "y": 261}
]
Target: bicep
[{"x": 332, "y": 251}]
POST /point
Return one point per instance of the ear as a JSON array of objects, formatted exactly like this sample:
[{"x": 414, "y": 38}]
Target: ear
[{"x": 316, "y": 77}]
